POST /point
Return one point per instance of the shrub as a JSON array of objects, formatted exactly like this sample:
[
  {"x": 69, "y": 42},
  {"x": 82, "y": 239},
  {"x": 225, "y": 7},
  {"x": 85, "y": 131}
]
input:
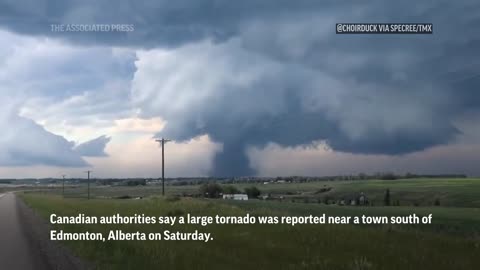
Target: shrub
[
  {"x": 252, "y": 192},
  {"x": 211, "y": 190},
  {"x": 137, "y": 182},
  {"x": 172, "y": 198},
  {"x": 326, "y": 200},
  {"x": 386, "y": 199},
  {"x": 123, "y": 197},
  {"x": 230, "y": 189},
  {"x": 388, "y": 176}
]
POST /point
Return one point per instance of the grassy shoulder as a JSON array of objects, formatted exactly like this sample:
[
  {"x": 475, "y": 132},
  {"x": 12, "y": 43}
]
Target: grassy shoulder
[
  {"x": 253, "y": 246},
  {"x": 464, "y": 222}
]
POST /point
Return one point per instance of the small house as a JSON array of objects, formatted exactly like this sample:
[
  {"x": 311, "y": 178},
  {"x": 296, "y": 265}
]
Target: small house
[{"x": 237, "y": 197}]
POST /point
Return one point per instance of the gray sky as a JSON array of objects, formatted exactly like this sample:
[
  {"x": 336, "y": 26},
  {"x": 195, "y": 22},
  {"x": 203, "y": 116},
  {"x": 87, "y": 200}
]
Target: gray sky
[{"x": 243, "y": 87}]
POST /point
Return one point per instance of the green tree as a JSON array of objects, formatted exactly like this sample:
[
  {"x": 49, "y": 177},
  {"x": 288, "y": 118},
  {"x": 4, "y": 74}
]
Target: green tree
[
  {"x": 386, "y": 199},
  {"x": 210, "y": 190},
  {"x": 230, "y": 189},
  {"x": 326, "y": 200},
  {"x": 252, "y": 192}
]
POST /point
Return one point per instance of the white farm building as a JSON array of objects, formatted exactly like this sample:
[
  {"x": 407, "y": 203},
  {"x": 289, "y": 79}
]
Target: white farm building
[{"x": 238, "y": 197}]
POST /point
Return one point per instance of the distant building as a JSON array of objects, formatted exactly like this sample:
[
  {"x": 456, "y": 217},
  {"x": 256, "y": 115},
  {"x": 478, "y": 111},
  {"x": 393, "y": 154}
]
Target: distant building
[
  {"x": 238, "y": 197},
  {"x": 355, "y": 200},
  {"x": 362, "y": 200}
]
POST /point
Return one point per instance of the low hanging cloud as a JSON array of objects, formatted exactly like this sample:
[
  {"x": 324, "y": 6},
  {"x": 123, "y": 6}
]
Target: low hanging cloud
[
  {"x": 93, "y": 148},
  {"x": 36, "y": 103},
  {"x": 24, "y": 143}
]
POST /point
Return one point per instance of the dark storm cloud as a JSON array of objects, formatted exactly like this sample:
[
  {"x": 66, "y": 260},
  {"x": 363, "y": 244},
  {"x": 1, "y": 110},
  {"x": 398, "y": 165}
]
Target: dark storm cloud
[
  {"x": 276, "y": 71},
  {"x": 93, "y": 148},
  {"x": 45, "y": 83},
  {"x": 25, "y": 143},
  {"x": 155, "y": 22}
]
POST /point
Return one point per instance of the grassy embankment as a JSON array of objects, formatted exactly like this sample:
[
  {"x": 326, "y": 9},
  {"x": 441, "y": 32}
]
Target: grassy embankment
[{"x": 272, "y": 246}]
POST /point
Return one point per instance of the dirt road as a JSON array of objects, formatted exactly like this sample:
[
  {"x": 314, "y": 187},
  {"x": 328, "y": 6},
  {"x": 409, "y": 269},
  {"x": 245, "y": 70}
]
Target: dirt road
[{"x": 16, "y": 251}]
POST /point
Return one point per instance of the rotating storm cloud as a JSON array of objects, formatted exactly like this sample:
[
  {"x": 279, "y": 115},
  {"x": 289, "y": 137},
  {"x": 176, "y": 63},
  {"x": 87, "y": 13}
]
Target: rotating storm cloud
[{"x": 247, "y": 77}]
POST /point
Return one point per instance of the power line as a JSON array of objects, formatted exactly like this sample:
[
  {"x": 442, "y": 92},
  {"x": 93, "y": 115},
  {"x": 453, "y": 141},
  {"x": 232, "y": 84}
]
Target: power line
[
  {"x": 88, "y": 184},
  {"x": 63, "y": 185},
  {"x": 162, "y": 144}
]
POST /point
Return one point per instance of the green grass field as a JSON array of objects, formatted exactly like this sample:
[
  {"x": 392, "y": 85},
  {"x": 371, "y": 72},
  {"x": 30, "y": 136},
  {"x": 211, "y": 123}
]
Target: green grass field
[
  {"x": 436, "y": 246},
  {"x": 463, "y": 192}
]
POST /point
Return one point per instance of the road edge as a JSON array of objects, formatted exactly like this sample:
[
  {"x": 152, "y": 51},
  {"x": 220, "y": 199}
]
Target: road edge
[{"x": 37, "y": 230}]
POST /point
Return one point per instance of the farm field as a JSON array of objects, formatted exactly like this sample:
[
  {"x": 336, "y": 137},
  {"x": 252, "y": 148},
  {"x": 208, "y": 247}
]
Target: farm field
[
  {"x": 461, "y": 192},
  {"x": 455, "y": 231}
]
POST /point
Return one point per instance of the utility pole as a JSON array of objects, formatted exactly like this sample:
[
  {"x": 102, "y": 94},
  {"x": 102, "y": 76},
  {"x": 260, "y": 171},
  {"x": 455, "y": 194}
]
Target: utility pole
[
  {"x": 88, "y": 184},
  {"x": 162, "y": 144},
  {"x": 63, "y": 185}
]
